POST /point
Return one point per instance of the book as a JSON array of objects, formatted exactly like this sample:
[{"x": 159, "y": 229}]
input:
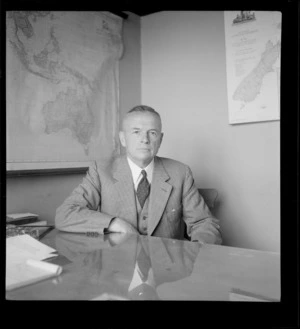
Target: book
[
  {"x": 21, "y": 218},
  {"x": 25, "y": 262},
  {"x": 38, "y": 223},
  {"x": 23, "y": 221},
  {"x": 16, "y": 216}
]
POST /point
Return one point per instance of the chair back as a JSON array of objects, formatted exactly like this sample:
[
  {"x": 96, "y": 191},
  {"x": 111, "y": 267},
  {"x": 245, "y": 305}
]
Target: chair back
[{"x": 210, "y": 196}]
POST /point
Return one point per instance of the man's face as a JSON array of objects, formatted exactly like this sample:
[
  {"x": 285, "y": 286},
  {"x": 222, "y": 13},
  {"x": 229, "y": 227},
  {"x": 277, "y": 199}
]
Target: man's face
[{"x": 141, "y": 136}]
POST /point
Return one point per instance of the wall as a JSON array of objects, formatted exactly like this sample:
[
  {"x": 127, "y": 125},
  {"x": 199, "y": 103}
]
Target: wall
[
  {"x": 43, "y": 194},
  {"x": 184, "y": 78}
]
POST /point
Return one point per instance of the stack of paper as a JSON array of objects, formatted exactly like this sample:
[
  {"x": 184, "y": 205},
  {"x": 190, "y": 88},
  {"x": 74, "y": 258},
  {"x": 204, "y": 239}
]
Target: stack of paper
[{"x": 24, "y": 261}]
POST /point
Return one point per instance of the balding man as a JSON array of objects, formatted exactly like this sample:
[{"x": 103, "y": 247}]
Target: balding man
[{"x": 139, "y": 192}]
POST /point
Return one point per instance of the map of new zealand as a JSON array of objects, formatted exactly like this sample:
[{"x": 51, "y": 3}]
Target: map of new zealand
[
  {"x": 251, "y": 85},
  {"x": 253, "y": 48},
  {"x": 62, "y": 85}
]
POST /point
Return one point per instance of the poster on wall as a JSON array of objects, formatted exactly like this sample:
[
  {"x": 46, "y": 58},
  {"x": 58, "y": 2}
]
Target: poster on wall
[
  {"x": 62, "y": 87},
  {"x": 253, "y": 48}
]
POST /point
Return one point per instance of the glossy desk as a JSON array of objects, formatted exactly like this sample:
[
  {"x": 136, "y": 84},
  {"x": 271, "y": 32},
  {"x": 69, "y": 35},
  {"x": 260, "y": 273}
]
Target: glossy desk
[{"x": 132, "y": 267}]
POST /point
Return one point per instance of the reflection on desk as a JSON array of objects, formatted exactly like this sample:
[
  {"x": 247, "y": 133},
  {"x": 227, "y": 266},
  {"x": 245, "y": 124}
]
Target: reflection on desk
[{"x": 142, "y": 267}]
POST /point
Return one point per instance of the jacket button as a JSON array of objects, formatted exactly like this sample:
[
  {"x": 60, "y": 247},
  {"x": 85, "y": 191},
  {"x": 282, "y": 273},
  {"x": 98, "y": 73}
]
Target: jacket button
[{"x": 144, "y": 217}]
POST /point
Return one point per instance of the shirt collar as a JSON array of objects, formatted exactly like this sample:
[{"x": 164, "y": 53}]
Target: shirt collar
[{"x": 136, "y": 170}]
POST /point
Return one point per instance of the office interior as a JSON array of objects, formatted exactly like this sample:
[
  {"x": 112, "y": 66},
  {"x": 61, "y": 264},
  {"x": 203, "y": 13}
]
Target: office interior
[{"x": 174, "y": 61}]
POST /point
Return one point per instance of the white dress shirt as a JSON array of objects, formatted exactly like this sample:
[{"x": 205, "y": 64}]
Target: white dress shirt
[{"x": 136, "y": 172}]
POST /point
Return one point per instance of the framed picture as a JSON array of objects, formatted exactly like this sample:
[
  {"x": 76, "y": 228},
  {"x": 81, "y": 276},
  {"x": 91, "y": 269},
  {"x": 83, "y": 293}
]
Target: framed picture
[{"x": 253, "y": 48}]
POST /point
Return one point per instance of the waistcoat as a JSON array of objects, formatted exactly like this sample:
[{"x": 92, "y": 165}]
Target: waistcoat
[{"x": 142, "y": 216}]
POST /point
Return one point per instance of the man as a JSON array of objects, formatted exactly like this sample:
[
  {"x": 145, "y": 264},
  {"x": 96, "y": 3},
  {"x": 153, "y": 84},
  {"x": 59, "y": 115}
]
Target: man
[{"x": 139, "y": 193}]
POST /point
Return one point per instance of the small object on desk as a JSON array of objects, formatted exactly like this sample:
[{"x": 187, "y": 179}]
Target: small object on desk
[
  {"x": 237, "y": 295},
  {"x": 45, "y": 230},
  {"x": 36, "y": 231},
  {"x": 14, "y": 230}
]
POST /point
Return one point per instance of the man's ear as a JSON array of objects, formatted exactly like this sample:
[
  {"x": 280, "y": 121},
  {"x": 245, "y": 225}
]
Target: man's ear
[
  {"x": 122, "y": 138},
  {"x": 161, "y": 138}
]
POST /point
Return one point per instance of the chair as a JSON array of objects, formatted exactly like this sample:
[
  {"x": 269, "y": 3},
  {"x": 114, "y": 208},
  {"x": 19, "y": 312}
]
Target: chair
[{"x": 210, "y": 197}]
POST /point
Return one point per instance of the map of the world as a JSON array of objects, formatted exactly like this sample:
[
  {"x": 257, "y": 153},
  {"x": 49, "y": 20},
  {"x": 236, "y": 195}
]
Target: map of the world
[{"x": 62, "y": 85}]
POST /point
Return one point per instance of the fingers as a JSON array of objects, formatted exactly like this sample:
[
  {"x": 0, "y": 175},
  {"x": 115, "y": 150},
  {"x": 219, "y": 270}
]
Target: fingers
[
  {"x": 116, "y": 226},
  {"x": 121, "y": 226},
  {"x": 117, "y": 238}
]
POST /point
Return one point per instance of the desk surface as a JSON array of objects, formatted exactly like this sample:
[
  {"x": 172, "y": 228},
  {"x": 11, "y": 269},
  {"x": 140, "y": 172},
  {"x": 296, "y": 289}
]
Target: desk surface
[{"x": 139, "y": 267}]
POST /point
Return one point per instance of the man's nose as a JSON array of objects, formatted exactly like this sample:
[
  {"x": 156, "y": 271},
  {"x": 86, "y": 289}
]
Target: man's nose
[{"x": 145, "y": 138}]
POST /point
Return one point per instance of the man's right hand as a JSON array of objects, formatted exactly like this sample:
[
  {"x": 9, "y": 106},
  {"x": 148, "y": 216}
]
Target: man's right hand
[
  {"x": 121, "y": 226},
  {"x": 117, "y": 238}
]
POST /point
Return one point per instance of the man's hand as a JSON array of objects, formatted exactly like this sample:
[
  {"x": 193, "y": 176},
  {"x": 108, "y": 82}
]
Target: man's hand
[
  {"x": 117, "y": 238},
  {"x": 121, "y": 226}
]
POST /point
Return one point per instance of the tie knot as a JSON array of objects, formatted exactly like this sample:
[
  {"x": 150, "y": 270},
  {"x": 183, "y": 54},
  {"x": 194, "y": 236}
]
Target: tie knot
[{"x": 144, "y": 173}]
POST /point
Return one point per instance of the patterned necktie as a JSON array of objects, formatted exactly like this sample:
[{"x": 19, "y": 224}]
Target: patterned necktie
[{"x": 143, "y": 189}]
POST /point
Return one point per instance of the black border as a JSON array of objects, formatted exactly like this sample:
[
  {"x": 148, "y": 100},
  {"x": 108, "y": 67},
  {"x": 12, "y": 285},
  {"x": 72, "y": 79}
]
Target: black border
[{"x": 191, "y": 314}]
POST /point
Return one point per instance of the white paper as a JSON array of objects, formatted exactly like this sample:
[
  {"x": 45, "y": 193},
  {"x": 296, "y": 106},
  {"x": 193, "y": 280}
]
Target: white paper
[
  {"x": 31, "y": 271},
  {"x": 24, "y": 265},
  {"x": 22, "y": 247},
  {"x": 49, "y": 267}
]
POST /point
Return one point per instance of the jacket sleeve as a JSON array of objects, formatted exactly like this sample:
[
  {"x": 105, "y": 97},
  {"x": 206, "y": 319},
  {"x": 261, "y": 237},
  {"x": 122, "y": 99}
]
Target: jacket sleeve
[
  {"x": 80, "y": 211},
  {"x": 201, "y": 224}
]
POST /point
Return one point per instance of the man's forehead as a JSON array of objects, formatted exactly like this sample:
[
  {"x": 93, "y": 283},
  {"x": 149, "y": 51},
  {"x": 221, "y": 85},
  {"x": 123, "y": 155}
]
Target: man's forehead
[{"x": 136, "y": 118}]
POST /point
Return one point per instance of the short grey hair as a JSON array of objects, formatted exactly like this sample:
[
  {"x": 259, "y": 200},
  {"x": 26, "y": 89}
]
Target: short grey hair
[{"x": 143, "y": 108}]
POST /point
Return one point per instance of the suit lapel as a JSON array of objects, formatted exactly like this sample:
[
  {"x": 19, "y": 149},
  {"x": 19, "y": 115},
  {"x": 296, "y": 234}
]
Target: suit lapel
[
  {"x": 124, "y": 186},
  {"x": 159, "y": 195}
]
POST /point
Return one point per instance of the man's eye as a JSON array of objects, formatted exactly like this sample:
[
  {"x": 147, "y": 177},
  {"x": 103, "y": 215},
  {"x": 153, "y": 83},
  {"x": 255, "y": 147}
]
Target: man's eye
[
  {"x": 135, "y": 132},
  {"x": 153, "y": 133}
]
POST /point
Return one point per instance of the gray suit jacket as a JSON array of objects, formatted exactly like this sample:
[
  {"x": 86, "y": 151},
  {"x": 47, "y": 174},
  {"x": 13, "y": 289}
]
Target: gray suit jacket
[{"x": 107, "y": 191}]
